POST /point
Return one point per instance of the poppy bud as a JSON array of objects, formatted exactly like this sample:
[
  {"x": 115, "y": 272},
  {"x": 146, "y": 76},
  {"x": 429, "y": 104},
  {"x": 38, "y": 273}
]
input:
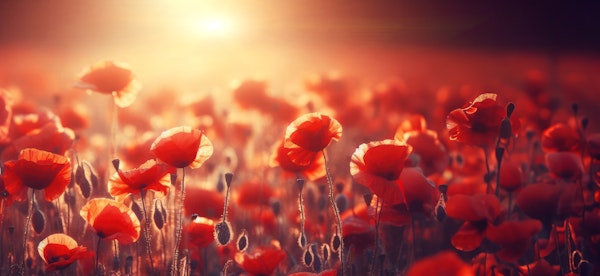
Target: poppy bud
[
  {"x": 307, "y": 257},
  {"x": 302, "y": 240},
  {"x": 116, "y": 162},
  {"x": 137, "y": 210},
  {"x": 575, "y": 108},
  {"x": 317, "y": 265},
  {"x": 228, "y": 179},
  {"x": 342, "y": 202},
  {"x": 584, "y": 122},
  {"x": 223, "y": 233},
  {"x": 82, "y": 181},
  {"x": 336, "y": 241},
  {"x": 326, "y": 252},
  {"x": 93, "y": 175},
  {"x": 38, "y": 220},
  {"x": 509, "y": 109},
  {"x": 160, "y": 214},
  {"x": 440, "y": 213},
  {"x": 242, "y": 241}
]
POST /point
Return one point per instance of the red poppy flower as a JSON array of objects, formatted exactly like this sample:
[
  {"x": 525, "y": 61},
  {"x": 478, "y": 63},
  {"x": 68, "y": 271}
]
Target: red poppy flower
[
  {"x": 431, "y": 154},
  {"x": 564, "y": 165},
  {"x": 110, "y": 77},
  {"x": 182, "y": 147},
  {"x": 39, "y": 170},
  {"x": 308, "y": 135},
  {"x": 252, "y": 94},
  {"x": 315, "y": 169},
  {"x": 51, "y": 137},
  {"x": 420, "y": 193},
  {"x": 357, "y": 233},
  {"x": 378, "y": 165},
  {"x": 560, "y": 137},
  {"x": 514, "y": 237},
  {"x": 478, "y": 211},
  {"x": 149, "y": 176},
  {"x": 200, "y": 232},
  {"x": 111, "y": 220},
  {"x": 253, "y": 194},
  {"x": 444, "y": 263},
  {"x": 511, "y": 176},
  {"x": 59, "y": 251},
  {"x": 477, "y": 124},
  {"x": 74, "y": 116},
  {"x": 205, "y": 203},
  {"x": 262, "y": 260},
  {"x": 539, "y": 201}
]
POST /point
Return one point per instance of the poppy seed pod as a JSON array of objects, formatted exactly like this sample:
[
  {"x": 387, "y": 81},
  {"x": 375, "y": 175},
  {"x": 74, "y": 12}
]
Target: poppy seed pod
[{"x": 223, "y": 233}]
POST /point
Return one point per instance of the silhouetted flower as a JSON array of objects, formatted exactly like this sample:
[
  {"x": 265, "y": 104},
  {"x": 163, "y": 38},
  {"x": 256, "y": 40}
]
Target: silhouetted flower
[{"x": 113, "y": 78}]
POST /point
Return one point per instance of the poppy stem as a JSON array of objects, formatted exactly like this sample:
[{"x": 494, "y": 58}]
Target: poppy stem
[
  {"x": 509, "y": 205},
  {"x": 26, "y": 231},
  {"x": 487, "y": 170},
  {"x": 557, "y": 248},
  {"x": 375, "y": 251},
  {"x": 179, "y": 228},
  {"x": 98, "y": 255},
  {"x": 336, "y": 213},
  {"x": 302, "y": 240},
  {"x": 147, "y": 231}
]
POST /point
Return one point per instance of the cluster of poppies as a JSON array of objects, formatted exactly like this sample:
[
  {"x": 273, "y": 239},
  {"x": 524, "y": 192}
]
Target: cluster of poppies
[{"x": 268, "y": 186}]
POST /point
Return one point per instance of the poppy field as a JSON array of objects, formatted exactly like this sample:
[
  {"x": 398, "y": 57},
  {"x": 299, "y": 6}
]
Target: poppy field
[
  {"x": 333, "y": 159},
  {"x": 478, "y": 185}
]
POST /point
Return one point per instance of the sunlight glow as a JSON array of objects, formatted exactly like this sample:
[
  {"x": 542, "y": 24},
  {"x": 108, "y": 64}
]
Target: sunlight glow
[{"x": 212, "y": 26}]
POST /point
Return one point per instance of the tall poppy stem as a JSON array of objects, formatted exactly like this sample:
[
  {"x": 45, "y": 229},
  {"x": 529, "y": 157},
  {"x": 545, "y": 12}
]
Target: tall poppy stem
[
  {"x": 487, "y": 178},
  {"x": 179, "y": 227},
  {"x": 147, "y": 230},
  {"x": 375, "y": 251},
  {"x": 336, "y": 212},
  {"x": 98, "y": 255},
  {"x": 26, "y": 230}
]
